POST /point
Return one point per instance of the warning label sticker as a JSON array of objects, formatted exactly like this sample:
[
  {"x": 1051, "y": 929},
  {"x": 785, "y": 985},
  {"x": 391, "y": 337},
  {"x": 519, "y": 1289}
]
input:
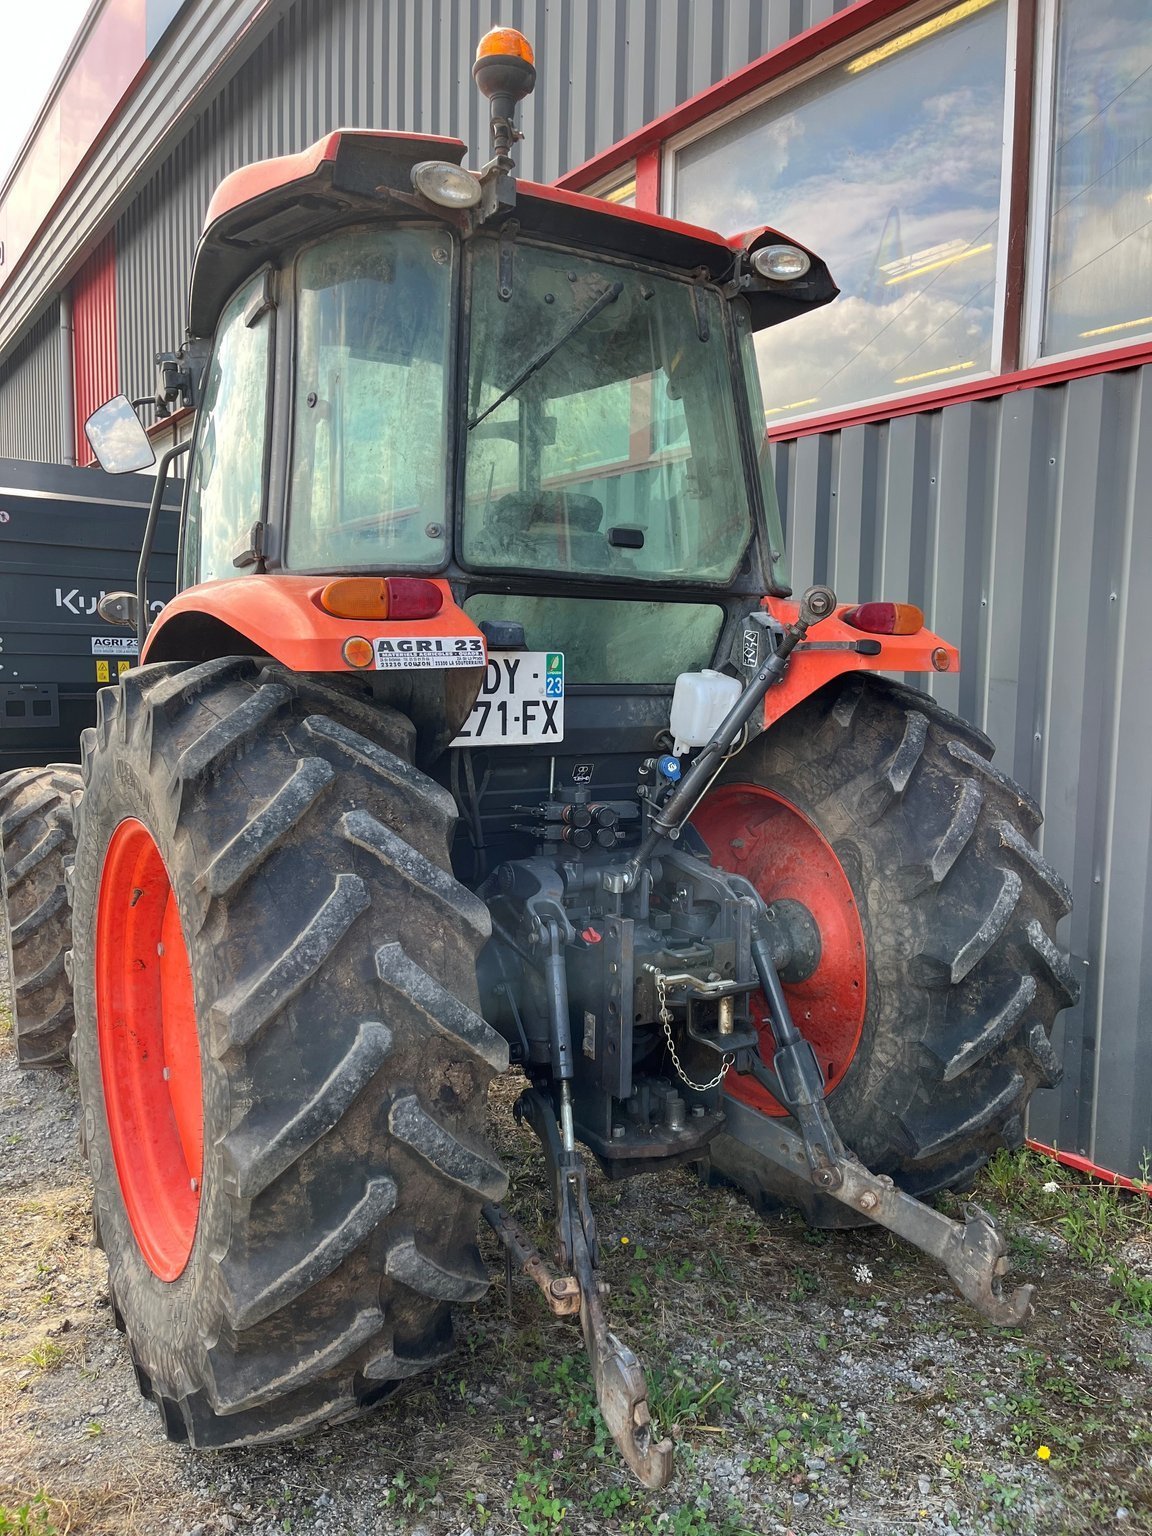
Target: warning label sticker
[{"x": 396, "y": 653}]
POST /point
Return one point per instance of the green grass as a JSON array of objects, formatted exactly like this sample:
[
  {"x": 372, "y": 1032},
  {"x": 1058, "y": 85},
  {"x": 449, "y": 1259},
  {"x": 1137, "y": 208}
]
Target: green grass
[
  {"x": 34, "y": 1517},
  {"x": 45, "y": 1356},
  {"x": 1096, "y": 1220}
]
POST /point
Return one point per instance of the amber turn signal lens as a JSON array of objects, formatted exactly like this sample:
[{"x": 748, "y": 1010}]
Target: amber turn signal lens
[
  {"x": 941, "y": 659},
  {"x": 505, "y": 43},
  {"x": 358, "y": 652},
  {"x": 885, "y": 618},
  {"x": 382, "y": 597}
]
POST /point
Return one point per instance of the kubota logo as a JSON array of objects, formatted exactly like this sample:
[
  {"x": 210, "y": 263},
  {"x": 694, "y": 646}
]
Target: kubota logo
[{"x": 75, "y": 602}]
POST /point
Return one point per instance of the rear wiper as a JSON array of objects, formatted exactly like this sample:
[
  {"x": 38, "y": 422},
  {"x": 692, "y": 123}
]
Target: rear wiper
[{"x": 609, "y": 296}]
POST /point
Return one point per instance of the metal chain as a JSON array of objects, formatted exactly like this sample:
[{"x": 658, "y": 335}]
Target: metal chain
[{"x": 666, "y": 1020}]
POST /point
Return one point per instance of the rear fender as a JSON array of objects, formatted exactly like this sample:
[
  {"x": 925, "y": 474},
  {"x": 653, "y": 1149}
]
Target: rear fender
[
  {"x": 281, "y": 617},
  {"x": 832, "y": 651}
]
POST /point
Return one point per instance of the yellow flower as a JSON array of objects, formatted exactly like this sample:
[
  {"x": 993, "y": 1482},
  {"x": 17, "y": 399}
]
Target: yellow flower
[
  {"x": 1043, "y": 1452},
  {"x": 623, "y": 1239}
]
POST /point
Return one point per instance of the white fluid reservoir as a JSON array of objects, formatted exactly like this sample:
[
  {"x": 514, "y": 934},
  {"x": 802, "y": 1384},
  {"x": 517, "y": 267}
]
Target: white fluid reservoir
[{"x": 700, "y": 702}]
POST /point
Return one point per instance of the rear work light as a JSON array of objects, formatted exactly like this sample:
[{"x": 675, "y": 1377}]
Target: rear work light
[
  {"x": 885, "y": 618},
  {"x": 382, "y": 597}
]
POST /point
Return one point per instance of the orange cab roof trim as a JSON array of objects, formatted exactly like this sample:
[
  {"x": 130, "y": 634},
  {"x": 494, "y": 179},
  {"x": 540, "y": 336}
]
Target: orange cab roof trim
[
  {"x": 262, "y": 176},
  {"x": 262, "y": 210}
]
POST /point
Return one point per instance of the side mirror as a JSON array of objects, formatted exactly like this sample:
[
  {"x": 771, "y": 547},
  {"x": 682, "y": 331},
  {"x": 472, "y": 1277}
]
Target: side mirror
[
  {"x": 118, "y": 608},
  {"x": 118, "y": 438}
]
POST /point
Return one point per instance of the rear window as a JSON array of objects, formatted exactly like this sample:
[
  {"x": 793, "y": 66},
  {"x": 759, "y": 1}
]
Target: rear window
[{"x": 610, "y": 641}]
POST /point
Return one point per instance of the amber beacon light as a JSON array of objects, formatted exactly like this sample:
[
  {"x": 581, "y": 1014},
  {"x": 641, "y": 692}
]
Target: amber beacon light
[{"x": 505, "y": 71}]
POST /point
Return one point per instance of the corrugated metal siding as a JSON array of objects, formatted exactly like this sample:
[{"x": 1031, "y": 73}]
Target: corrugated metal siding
[
  {"x": 30, "y": 394},
  {"x": 606, "y": 68},
  {"x": 1022, "y": 527},
  {"x": 95, "y": 370}
]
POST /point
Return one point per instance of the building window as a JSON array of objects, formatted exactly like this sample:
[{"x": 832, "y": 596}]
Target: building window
[
  {"x": 1097, "y": 275},
  {"x": 620, "y": 188},
  {"x": 891, "y": 164}
]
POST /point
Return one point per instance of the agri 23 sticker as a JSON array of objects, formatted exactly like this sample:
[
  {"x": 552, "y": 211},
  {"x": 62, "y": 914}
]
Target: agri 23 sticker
[{"x": 396, "y": 653}]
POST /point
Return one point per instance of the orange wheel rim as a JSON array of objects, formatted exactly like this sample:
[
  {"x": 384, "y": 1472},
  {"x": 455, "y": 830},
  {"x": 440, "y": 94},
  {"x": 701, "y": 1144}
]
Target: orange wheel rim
[
  {"x": 753, "y": 832},
  {"x": 149, "y": 1049}
]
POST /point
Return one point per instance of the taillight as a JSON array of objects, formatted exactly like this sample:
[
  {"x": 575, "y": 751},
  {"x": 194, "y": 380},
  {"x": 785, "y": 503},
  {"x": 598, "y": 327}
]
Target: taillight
[
  {"x": 885, "y": 618},
  {"x": 382, "y": 597}
]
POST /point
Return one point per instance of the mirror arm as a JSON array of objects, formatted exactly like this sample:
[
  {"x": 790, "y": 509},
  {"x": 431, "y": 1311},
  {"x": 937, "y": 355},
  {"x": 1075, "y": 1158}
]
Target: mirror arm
[{"x": 166, "y": 458}]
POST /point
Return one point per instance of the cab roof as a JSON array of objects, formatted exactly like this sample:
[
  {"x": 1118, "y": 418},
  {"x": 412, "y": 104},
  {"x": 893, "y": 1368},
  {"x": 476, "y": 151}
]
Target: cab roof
[{"x": 351, "y": 174}]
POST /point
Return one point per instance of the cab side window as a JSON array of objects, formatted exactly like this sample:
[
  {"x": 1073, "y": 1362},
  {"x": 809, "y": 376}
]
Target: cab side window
[{"x": 226, "y": 477}]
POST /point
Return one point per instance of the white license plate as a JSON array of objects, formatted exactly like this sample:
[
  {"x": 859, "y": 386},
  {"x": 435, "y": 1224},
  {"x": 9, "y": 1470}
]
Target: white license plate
[{"x": 521, "y": 700}]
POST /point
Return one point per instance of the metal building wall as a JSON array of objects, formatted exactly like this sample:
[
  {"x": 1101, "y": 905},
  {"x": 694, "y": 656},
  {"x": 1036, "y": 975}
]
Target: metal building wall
[
  {"x": 606, "y": 67},
  {"x": 1022, "y": 527},
  {"x": 30, "y": 394}
]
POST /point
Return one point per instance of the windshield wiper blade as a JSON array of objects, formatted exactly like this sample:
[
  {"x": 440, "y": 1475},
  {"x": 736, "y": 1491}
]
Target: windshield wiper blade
[{"x": 609, "y": 296}]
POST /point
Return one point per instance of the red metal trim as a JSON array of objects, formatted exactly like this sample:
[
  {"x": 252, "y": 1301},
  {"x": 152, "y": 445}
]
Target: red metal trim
[
  {"x": 798, "y": 50},
  {"x": 1086, "y": 1165},
  {"x": 980, "y": 389},
  {"x": 564, "y": 198},
  {"x": 95, "y": 351},
  {"x": 1020, "y": 187},
  {"x": 648, "y": 180},
  {"x": 167, "y": 423}
]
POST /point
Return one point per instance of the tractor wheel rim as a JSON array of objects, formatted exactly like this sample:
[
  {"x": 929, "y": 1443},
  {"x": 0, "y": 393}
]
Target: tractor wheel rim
[
  {"x": 149, "y": 1049},
  {"x": 754, "y": 832}
]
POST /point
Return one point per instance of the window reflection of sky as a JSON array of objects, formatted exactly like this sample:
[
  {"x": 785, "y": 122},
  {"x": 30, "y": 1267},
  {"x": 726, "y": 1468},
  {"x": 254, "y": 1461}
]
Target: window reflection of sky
[
  {"x": 892, "y": 173},
  {"x": 1099, "y": 289}
]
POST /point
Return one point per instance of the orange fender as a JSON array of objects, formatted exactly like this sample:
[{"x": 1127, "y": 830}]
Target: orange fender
[
  {"x": 811, "y": 667},
  {"x": 281, "y": 617}
]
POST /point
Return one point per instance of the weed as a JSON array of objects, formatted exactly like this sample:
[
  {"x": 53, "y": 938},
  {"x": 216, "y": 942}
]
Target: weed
[
  {"x": 45, "y": 1356},
  {"x": 677, "y": 1400},
  {"x": 35, "y": 1517},
  {"x": 537, "y": 1509},
  {"x": 807, "y": 1432},
  {"x": 804, "y": 1283}
]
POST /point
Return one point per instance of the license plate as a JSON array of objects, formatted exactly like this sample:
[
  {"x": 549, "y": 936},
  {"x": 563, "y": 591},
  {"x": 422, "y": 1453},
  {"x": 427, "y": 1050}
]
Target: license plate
[{"x": 521, "y": 700}]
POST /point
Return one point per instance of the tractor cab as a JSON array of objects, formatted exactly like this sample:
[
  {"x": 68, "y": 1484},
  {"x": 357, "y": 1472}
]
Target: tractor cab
[{"x": 545, "y": 400}]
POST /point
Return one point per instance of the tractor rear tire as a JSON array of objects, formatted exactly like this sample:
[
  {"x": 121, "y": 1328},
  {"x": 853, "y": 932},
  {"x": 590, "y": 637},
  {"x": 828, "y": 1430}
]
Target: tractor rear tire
[
  {"x": 37, "y": 843},
  {"x": 957, "y": 910},
  {"x": 282, "y": 1068}
]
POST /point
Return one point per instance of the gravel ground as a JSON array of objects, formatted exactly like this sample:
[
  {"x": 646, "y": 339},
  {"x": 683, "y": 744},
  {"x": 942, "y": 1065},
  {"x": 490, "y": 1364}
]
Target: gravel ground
[{"x": 814, "y": 1383}]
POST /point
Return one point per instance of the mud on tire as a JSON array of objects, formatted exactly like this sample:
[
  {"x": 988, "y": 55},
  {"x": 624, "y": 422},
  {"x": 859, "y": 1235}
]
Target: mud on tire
[
  {"x": 958, "y": 911},
  {"x": 37, "y": 843},
  {"x": 345, "y": 1067}
]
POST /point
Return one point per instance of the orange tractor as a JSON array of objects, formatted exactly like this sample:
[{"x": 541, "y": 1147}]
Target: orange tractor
[{"x": 484, "y": 728}]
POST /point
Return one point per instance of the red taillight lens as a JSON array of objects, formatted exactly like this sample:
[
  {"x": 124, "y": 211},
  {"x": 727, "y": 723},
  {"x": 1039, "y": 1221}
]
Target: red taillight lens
[
  {"x": 885, "y": 618},
  {"x": 375, "y": 597},
  {"x": 409, "y": 597}
]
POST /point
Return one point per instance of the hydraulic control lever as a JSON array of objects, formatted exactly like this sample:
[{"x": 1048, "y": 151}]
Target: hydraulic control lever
[{"x": 816, "y": 604}]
